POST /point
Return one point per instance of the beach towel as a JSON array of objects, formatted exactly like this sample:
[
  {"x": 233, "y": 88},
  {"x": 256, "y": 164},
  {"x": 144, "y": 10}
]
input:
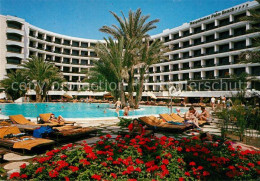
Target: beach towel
[
  {"x": 30, "y": 143},
  {"x": 38, "y": 133},
  {"x": 8, "y": 130}
]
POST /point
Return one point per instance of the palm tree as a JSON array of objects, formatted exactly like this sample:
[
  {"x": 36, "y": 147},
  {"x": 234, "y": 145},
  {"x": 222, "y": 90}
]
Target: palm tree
[
  {"x": 15, "y": 84},
  {"x": 254, "y": 55},
  {"x": 43, "y": 74},
  {"x": 149, "y": 55},
  {"x": 133, "y": 29},
  {"x": 111, "y": 66}
]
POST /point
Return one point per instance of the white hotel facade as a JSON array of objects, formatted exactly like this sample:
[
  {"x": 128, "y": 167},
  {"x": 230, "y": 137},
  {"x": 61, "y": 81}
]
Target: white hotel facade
[{"x": 205, "y": 49}]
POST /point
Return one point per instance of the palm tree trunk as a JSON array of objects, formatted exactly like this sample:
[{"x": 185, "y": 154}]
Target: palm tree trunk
[
  {"x": 38, "y": 94},
  {"x": 139, "y": 91},
  {"x": 131, "y": 88},
  {"x": 122, "y": 93}
]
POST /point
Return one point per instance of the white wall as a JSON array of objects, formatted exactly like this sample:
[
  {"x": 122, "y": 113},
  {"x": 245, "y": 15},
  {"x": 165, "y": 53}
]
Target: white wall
[{"x": 2, "y": 46}]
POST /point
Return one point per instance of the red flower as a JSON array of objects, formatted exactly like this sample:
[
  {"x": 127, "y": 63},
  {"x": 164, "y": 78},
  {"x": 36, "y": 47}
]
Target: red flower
[
  {"x": 179, "y": 149},
  {"x": 251, "y": 165},
  {"x": 113, "y": 175},
  {"x": 14, "y": 175},
  {"x": 74, "y": 168},
  {"x": 187, "y": 174},
  {"x": 231, "y": 167},
  {"x": 39, "y": 170},
  {"x": 138, "y": 169},
  {"x": 23, "y": 166},
  {"x": 192, "y": 164},
  {"x": 96, "y": 177},
  {"x": 67, "y": 178},
  {"x": 205, "y": 173},
  {"x": 258, "y": 163},
  {"x": 181, "y": 179},
  {"x": 104, "y": 164},
  {"x": 108, "y": 136},
  {"x": 84, "y": 162},
  {"x": 165, "y": 161},
  {"x": 200, "y": 167},
  {"x": 53, "y": 173},
  {"x": 63, "y": 156},
  {"x": 23, "y": 176}
]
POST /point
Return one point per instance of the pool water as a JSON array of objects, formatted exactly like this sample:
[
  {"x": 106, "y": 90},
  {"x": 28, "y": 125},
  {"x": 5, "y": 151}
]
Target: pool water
[{"x": 77, "y": 110}]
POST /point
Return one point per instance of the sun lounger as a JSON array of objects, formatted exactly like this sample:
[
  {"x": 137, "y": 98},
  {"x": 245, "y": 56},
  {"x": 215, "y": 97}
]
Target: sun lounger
[
  {"x": 20, "y": 119},
  {"x": 159, "y": 124},
  {"x": 46, "y": 119},
  {"x": 177, "y": 117},
  {"x": 22, "y": 142}
]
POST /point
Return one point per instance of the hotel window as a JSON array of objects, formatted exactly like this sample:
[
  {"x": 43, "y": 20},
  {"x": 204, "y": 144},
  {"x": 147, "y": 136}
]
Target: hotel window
[
  {"x": 57, "y": 40},
  {"x": 175, "y": 77},
  {"x": 197, "y": 64},
  {"x": 31, "y": 53},
  {"x": 75, "y": 70},
  {"x": 58, "y": 59},
  {"x": 84, "y": 45},
  {"x": 166, "y": 39},
  {"x": 223, "y": 48},
  {"x": 175, "y": 56},
  {"x": 75, "y": 52},
  {"x": 223, "y": 61},
  {"x": 75, "y": 44},
  {"x": 31, "y": 44},
  {"x": 176, "y": 46},
  {"x": 223, "y": 73},
  {"x": 66, "y": 69},
  {"x": 176, "y": 36},
  {"x": 32, "y": 33},
  {"x": 66, "y": 60},
  {"x": 210, "y": 38},
  {"x": 240, "y": 45},
  {"x": 40, "y": 46},
  {"x": 14, "y": 48},
  {"x": 185, "y": 55},
  {"x": 67, "y": 78},
  {"x": 209, "y": 63},
  {"x": 75, "y": 61},
  {"x": 237, "y": 18},
  {"x": 48, "y": 58},
  {"x": 14, "y": 37},
  {"x": 185, "y": 76},
  {"x": 93, "y": 54},
  {"x": 210, "y": 26},
  {"x": 186, "y": 33},
  {"x": 209, "y": 74},
  {"x": 166, "y": 68},
  {"x": 197, "y": 29},
  {"x": 197, "y": 76},
  {"x": 239, "y": 31},
  {"x": 223, "y": 35},
  {"x": 84, "y": 53},
  {"x": 13, "y": 60},
  {"x": 40, "y": 55},
  {"x": 48, "y": 48},
  {"x": 150, "y": 69},
  {"x": 166, "y": 78},
  {"x": 185, "y": 66},
  {"x": 48, "y": 38},
  {"x": 66, "y": 51},
  {"x": 256, "y": 71},
  {"x": 57, "y": 50},
  {"x": 236, "y": 59},
  {"x": 84, "y": 62},
  {"x": 197, "y": 53},
  {"x": 239, "y": 71},
  {"x": 197, "y": 41},
  {"x": 40, "y": 36},
  {"x": 175, "y": 67},
  {"x": 186, "y": 44},
  {"x": 92, "y": 44},
  {"x": 14, "y": 24},
  {"x": 224, "y": 22},
  {"x": 158, "y": 70},
  {"x": 66, "y": 42}
]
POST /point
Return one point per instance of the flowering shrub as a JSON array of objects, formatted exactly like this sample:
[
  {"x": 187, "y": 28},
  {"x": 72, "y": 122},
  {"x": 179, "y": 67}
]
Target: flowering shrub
[{"x": 144, "y": 158}]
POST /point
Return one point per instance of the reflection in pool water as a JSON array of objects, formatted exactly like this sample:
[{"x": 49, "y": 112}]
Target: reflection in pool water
[{"x": 77, "y": 110}]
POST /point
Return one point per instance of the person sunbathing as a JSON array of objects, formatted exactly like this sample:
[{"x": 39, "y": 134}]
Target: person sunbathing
[
  {"x": 135, "y": 128},
  {"x": 191, "y": 117},
  {"x": 204, "y": 115},
  {"x": 59, "y": 120}
]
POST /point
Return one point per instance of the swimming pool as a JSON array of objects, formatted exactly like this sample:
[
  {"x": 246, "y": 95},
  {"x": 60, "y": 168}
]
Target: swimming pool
[{"x": 77, "y": 110}]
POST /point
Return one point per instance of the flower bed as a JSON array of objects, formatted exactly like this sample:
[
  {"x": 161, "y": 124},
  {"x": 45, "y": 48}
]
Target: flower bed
[{"x": 141, "y": 158}]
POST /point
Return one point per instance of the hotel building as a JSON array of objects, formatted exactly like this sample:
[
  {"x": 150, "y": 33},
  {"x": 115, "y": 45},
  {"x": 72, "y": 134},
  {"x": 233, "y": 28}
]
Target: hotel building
[{"x": 206, "y": 49}]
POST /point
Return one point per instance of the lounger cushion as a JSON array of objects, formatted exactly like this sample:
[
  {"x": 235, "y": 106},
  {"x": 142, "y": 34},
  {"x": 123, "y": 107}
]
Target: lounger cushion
[
  {"x": 45, "y": 117},
  {"x": 19, "y": 119},
  {"x": 29, "y": 144},
  {"x": 166, "y": 117},
  {"x": 9, "y": 130},
  {"x": 176, "y": 117}
]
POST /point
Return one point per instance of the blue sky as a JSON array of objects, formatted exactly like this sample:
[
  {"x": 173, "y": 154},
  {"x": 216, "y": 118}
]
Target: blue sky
[{"x": 83, "y": 18}]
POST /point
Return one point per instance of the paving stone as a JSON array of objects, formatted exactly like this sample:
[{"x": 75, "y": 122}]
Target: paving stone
[
  {"x": 16, "y": 157},
  {"x": 89, "y": 140},
  {"x": 14, "y": 165}
]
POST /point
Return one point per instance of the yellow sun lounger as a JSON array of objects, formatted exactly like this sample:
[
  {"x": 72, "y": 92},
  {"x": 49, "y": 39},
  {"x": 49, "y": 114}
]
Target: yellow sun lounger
[
  {"x": 24, "y": 142},
  {"x": 46, "y": 118},
  {"x": 176, "y": 117},
  {"x": 20, "y": 119}
]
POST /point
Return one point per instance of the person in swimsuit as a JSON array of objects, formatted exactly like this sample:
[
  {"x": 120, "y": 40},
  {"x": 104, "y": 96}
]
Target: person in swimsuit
[{"x": 118, "y": 106}]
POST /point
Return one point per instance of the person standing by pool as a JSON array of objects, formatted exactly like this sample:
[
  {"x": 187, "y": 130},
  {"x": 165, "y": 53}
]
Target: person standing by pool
[
  {"x": 118, "y": 106},
  {"x": 212, "y": 101},
  {"x": 229, "y": 103}
]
